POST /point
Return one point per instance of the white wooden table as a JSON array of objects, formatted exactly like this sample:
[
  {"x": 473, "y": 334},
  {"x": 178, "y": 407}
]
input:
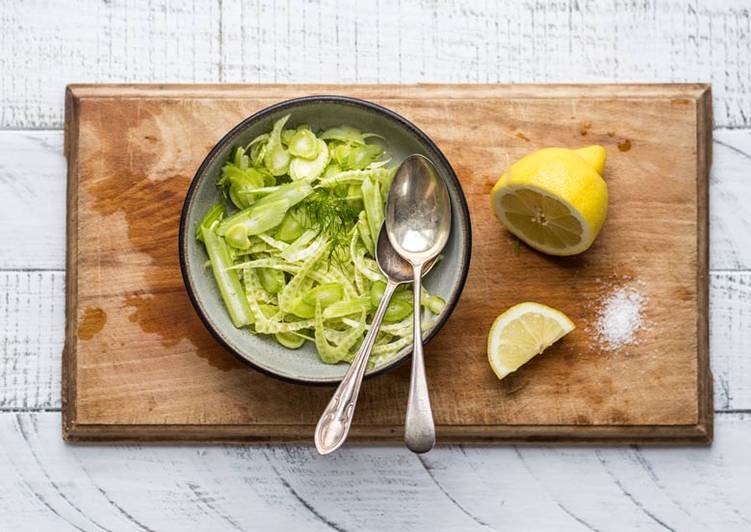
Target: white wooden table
[{"x": 47, "y": 485}]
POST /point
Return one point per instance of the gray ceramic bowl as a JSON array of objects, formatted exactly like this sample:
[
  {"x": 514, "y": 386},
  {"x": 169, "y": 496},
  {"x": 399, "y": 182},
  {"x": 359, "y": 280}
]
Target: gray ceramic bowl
[{"x": 403, "y": 138}]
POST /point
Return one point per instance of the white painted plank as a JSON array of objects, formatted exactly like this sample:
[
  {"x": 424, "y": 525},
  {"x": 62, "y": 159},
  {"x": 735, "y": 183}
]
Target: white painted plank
[
  {"x": 32, "y": 310},
  {"x": 32, "y": 200},
  {"x": 32, "y": 334},
  {"x": 47, "y": 485},
  {"x": 45, "y": 44},
  {"x": 625, "y": 488},
  {"x": 729, "y": 196},
  {"x": 730, "y": 339}
]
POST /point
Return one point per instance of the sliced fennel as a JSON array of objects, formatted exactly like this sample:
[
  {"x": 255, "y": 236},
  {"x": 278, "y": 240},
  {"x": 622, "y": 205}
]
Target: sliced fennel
[
  {"x": 295, "y": 257},
  {"x": 303, "y": 168}
]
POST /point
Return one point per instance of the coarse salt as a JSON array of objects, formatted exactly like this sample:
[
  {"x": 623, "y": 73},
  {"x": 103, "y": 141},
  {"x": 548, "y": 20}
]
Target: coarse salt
[{"x": 619, "y": 318}]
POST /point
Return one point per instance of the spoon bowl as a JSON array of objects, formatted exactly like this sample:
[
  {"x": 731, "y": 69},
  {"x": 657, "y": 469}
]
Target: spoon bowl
[{"x": 418, "y": 213}]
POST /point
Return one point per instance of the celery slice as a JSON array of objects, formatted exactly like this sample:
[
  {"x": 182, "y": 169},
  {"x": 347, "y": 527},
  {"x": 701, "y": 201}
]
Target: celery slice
[
  {"x": 371, "y": 197},
  {"x": 290, "y": 340},
  {"x": 290, "y": 229},
  {"x": 277, "y": 158},
  {"x": 268, "y": 212},
  {"x": 344, "y": 134},
  {"x": 364, "y": 231},
  {"x": 226, "y": 279},
  {"x": 305, "y": 246},
  {"x": 332, "y": 354},
  {"x": 360, "y": 157},
  {"x": 210, "y": 220},
  {"x": 341, "y": 309},
  {"x": 356, "y": 177},
  {"x": 302, "y": 168},
  {"x": 272, "y": 280},
  {"x": 327, "y": 294},
  {"x": 332, "y": 169},
  {"x": 357, "y": 254},
  {"x": 305, "y": 144}
]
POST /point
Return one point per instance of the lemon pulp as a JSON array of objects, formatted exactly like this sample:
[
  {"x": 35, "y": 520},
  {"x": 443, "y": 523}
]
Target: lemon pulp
[
  {"x": 542, "y": 219},
  {"x": 522, "y": 332}
]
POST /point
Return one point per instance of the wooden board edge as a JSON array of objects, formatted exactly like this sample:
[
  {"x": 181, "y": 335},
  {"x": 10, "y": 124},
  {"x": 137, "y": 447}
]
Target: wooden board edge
[
  {"x": 68, "y": 378},
  {"x": 703, "y": 162},
  {"x": 503, "y": 434},
  {"x": 276, "y": 92}
]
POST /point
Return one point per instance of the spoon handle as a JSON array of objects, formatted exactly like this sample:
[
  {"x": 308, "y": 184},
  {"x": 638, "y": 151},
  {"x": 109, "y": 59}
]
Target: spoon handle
[
  {"x": 333, "y": 427},
  {"x": 419, "y": 430}
]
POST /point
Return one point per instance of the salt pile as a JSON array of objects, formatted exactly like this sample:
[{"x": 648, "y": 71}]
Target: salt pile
[{"x": 619, "y": 318}]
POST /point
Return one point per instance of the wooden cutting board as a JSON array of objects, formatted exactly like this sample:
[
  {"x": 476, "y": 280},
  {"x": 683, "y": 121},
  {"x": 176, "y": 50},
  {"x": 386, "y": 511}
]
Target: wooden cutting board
[{"x": 139, "y": 365}]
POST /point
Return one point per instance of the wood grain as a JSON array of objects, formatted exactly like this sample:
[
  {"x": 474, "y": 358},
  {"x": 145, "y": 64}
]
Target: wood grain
[
  {"x": 31, "y": 333},
  {"x": 139, "y": 363},
  {"x": 32, "y": 203}
]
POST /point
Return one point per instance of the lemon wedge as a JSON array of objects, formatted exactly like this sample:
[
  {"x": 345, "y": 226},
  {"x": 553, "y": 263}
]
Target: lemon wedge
[
  {"x": 522, "y": 332},
  {"x": 554, "y": 199}
]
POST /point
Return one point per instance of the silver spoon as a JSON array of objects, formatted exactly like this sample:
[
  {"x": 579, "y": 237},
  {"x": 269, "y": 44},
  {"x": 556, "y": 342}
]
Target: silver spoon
[
  {"x": 333, "y": 427},
  {"x": 418, "y": 223}
]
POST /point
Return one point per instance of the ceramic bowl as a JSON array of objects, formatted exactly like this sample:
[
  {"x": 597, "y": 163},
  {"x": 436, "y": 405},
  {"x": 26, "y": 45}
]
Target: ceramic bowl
[{"x": 403, "y": 138}]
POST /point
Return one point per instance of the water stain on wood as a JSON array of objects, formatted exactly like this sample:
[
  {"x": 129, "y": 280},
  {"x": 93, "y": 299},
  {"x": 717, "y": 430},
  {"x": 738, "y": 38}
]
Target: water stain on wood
[
  {"x": 156, "y": 315},
  {"x": 513, "y": 383},
  {"x": 684, "y": 293},
  {"x": 487, "y": 184},
  {"x": 624, "y": 145},
  {"x": 150, "y": 197},
  {"x": 92, "y": 323}
]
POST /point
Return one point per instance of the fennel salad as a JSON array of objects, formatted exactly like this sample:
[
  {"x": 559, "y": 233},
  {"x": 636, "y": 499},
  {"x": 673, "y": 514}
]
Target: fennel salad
[{"x": 292, "y": 244}]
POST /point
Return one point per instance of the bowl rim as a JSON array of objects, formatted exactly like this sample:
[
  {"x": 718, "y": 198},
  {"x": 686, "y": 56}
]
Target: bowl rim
[{"x": 228, "y": 138}]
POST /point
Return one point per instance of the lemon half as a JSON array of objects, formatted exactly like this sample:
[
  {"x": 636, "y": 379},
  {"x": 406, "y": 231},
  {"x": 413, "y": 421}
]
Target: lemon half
[
  {"x": 522, "y": 332},
  {"x": 554, "y": 199}
]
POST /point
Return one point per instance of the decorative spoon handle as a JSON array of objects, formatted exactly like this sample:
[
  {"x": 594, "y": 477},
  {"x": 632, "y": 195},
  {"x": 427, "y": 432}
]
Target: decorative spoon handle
[
  {"x": 419, "y": 430},
  {"x": 333, "y": 427}
]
